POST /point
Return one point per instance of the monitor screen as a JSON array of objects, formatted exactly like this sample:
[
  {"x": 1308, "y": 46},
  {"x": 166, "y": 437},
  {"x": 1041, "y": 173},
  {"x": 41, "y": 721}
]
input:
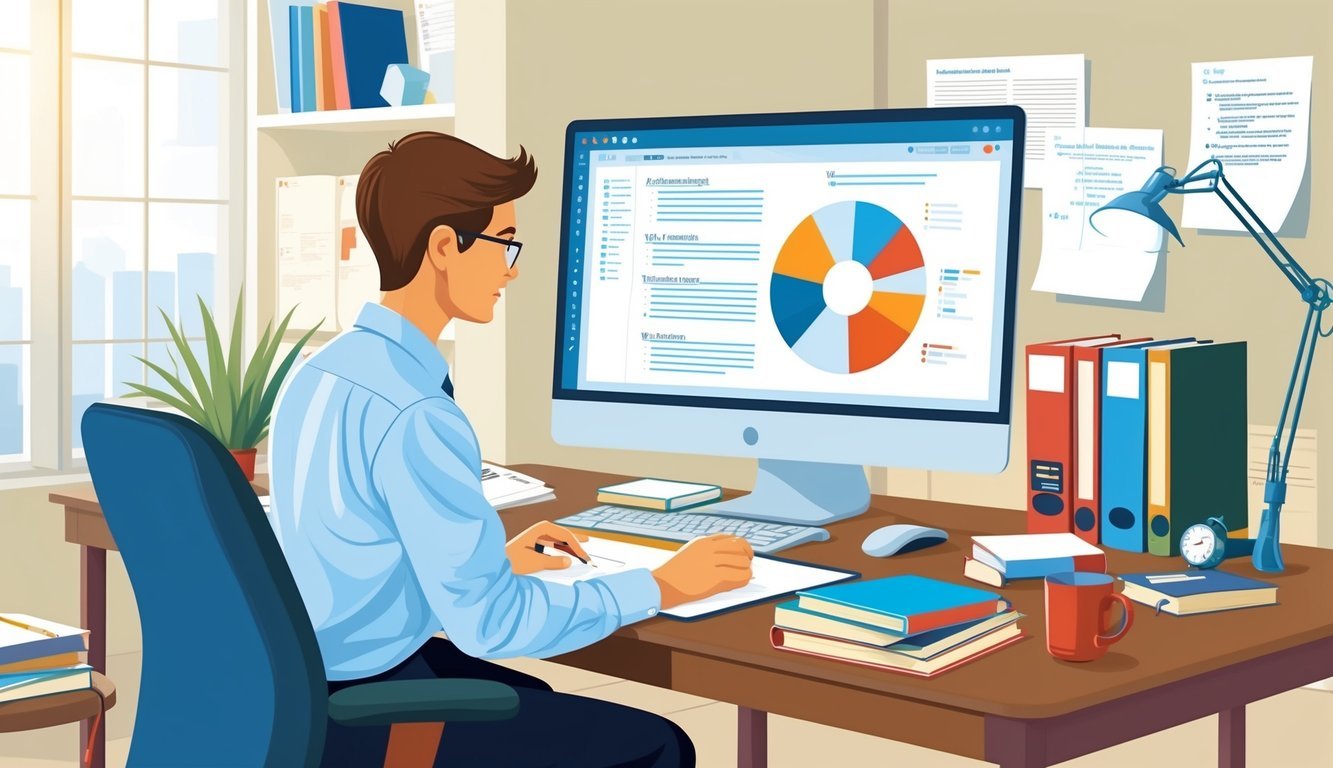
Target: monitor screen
[{"x": 858, "y": 263}]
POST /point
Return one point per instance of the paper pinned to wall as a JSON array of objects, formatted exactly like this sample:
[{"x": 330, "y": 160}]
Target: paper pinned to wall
[
  {"x": 1254, "y": 116},
  {"x": 306, "y": 256},
  {"x": 1052, "y": 90},
  {"x": 1087, "y": 168}
]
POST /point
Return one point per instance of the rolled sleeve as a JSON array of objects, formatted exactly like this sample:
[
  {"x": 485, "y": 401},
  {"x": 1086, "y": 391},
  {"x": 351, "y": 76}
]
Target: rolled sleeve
[{"x": 427, "y": 472}]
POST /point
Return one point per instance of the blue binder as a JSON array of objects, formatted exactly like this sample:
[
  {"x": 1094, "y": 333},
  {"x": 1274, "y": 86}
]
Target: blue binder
[
  {"x": 302, "y": 29},
  {"x": 1125, "y": 445}
]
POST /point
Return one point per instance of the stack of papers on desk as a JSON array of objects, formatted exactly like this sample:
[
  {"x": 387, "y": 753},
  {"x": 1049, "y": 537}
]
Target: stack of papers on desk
[{"x": 505, "y": 488}]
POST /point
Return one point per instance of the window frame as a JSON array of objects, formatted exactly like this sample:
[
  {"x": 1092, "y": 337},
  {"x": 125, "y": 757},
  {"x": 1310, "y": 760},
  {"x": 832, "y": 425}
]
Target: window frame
[{"x": 50, "y": 337}]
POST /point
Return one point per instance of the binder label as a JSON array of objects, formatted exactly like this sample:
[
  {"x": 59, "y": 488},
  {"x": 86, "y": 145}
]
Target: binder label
[
  {"x": 1048, "y": 476},
  {"x": 1122, "y": 380}
]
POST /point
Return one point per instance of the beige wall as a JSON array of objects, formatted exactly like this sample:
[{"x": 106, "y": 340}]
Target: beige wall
[
  {"x": 595, "y": 59},
  {"x": 1219, "y": 286}
]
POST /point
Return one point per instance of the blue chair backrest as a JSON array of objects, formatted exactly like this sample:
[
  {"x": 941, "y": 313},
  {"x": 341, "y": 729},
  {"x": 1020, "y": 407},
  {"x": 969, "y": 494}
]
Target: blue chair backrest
[{"x": 232, "y": 674}]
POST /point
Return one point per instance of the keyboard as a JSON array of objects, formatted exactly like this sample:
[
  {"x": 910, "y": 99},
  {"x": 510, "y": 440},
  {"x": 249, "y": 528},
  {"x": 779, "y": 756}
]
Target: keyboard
[{"x": 764, "y": 537}]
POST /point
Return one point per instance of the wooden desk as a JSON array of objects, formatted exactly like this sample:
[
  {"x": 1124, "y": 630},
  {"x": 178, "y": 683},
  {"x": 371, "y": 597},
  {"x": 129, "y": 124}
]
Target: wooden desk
[{"x": 1019, "y": 708}]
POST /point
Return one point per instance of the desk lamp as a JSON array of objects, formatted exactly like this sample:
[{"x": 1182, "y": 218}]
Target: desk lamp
[{"x": 1317, "y": 293}]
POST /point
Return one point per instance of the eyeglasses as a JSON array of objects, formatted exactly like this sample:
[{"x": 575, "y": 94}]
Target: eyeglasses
[{"x": 512, "y": 247}]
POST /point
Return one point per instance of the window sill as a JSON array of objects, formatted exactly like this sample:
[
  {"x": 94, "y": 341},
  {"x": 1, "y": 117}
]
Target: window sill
[{"x": 32, "y": 477}]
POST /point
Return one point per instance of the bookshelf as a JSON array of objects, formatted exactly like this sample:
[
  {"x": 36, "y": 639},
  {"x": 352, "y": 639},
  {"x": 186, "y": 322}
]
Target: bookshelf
[{"x": 336, "y": 142}]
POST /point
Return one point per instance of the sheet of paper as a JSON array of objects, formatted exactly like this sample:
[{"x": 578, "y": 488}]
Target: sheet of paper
[
  {"x": 1052, "y": 90},
  {"x": 771, "y": 577},
  {"x": 435, "y": 45},
  {"x": 306, "y": 254},
  {"x": 1254, "y": 116},
  {"x": 500, "y": 483},
  {"x": 1085, "y": 169},
  {"x": 358, "y": 272}
]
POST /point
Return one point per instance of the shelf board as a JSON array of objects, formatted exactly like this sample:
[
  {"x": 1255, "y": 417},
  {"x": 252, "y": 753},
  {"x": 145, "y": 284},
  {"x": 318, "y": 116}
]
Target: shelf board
[{"x": 352, "y": 120}]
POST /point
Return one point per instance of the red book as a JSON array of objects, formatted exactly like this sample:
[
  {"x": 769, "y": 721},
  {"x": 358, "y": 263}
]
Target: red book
[
  {"x": 1050, "y": 420},
  {"x": 342, "y": 99},
  {"x": 1087, "y": 472}
]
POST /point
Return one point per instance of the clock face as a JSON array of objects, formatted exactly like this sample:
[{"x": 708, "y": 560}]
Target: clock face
[{"x": 1198, "y": 543}]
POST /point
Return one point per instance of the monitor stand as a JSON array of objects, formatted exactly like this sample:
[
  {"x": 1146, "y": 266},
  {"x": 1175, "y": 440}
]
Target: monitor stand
[{"x": 799, "y": 492}]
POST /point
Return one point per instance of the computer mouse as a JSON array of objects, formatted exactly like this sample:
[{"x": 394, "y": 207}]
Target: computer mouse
[{"x": 896, "y": 539}]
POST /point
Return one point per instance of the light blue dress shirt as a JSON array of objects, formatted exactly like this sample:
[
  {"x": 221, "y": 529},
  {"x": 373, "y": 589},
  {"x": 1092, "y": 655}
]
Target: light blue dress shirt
[{"x": 377, "y": 503}]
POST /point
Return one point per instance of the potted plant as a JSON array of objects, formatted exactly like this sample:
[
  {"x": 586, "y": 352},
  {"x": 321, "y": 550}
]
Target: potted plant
[{"x": 233, "y": 403}]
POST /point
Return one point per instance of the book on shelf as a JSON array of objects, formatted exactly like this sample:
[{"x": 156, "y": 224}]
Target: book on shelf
[
  {"x": 663, "y": 495},
  {"x": 996, "y": 560},
  {"x": 905, "y": 604},
  {"x": 280, "y": 39},
  {"x": 363, "y": 41},
  {"x": 1183, "y": 593},
  {"x": 891, "y": 659},
  {"x": 790, "y": 615}
]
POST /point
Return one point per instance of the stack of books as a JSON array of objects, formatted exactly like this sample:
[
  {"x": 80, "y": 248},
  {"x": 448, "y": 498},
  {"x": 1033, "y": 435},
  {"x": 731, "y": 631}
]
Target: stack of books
[
  {"x": 910, "y": 624},
  {"x": 39, "y": 658}
]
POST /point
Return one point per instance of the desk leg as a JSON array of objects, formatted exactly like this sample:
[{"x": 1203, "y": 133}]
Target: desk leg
[
  {"x": 1014, "y": 743},
  {"x": 92, "y": 612},
  {"x": 1231, "y": 738},
  {"x": 751, "y": 738}
]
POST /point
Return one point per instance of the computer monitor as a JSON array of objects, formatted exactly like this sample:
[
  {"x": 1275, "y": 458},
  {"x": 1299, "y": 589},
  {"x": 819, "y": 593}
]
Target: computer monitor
[{"x": 821, "y": 291}]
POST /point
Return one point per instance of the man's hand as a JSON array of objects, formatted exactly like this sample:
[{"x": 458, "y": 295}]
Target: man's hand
[
  {"x": 703, "y": 568},
  {"x": 524, "y": 559}
]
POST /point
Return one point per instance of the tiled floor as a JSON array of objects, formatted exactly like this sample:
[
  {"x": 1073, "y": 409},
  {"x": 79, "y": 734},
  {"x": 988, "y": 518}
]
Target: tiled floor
[{"x": 1294, "y": 730}]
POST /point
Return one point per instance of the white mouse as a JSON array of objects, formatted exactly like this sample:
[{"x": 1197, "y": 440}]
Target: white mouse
[{"x": 897, "y": 539}]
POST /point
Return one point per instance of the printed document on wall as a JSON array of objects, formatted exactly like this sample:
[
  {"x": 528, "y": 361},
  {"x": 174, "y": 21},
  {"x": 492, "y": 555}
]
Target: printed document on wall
[
  {"x": 1254, "y": 116},
  {"x": 1052, "y": 90},
  {"x": 307, "y": 219},
  {"x": 1085, "y": 169},
  {"x": 358, "y": 272}
]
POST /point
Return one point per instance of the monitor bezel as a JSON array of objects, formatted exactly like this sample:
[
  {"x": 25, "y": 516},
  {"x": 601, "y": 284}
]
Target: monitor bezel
[{"x": 1002, "y": 413}]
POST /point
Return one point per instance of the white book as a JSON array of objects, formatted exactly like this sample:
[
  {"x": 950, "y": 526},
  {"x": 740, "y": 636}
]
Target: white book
[{"x": 307, "y": 258}]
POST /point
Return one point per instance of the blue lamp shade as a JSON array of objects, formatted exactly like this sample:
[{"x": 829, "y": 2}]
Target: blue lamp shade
[{"x": 1147, "y": 201}]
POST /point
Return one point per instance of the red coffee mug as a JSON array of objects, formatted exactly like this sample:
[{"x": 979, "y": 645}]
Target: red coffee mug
[{"x": 1078, "y": 609}]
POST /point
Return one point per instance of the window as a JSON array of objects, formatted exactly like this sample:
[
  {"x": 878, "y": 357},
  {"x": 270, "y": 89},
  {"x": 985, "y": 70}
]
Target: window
[{"x": 141, "y": 217}]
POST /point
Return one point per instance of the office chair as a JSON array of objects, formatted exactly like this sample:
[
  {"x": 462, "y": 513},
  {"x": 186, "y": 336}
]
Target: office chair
[{"x": 232, "y": 675}]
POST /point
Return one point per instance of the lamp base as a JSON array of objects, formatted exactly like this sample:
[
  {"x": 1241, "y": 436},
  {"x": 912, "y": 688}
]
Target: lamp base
[{"x": 1267, "y": 556}]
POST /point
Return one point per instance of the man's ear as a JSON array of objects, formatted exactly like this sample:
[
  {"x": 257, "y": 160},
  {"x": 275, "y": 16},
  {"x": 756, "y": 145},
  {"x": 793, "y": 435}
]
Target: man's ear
[{"x": 443, "y": 243}]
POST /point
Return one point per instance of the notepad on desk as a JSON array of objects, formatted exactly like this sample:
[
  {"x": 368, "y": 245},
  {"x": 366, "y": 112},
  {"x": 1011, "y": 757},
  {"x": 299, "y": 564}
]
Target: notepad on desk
[{"x": 772, "y": 577}]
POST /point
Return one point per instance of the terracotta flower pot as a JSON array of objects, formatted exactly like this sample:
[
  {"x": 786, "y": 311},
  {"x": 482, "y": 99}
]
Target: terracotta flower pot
[{"x": 246, "y": 459}]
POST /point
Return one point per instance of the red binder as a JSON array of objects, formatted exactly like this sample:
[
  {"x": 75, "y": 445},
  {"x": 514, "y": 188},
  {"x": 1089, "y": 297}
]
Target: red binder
[
  {"x": 1050, "y": 419},
  {"x": 1086, "y": 476},
  {"x": 337, "y": 62}
]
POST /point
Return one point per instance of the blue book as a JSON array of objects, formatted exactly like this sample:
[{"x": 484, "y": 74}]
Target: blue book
[
  {"x": 905, "y": 604},
  {"x": 302, "y": 20},
  {"x": 280, "y": 34},
  {"x": 44, "y": 682},
  {"x": 370, "y": 39},
  {"x": 1124, "y": 449},
  {"x": 1197, "y": 591}
]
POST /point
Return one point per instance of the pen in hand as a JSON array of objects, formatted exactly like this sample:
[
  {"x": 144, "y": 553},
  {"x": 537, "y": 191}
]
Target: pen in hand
[{"x": 564, "y": 547}]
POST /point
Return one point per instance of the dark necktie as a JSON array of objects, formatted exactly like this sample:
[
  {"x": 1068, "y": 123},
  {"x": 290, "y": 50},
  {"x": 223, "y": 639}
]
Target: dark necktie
[{"x": 448, "y": 386}]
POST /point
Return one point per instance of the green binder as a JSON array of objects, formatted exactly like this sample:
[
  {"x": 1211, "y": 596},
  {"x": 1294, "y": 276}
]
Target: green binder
[{"x": 1197, "y": 426}]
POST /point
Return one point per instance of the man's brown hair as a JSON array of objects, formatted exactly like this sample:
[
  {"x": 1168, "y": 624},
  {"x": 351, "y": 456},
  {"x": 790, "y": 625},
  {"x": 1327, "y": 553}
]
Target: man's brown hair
[{"x": 426, "y": 180}]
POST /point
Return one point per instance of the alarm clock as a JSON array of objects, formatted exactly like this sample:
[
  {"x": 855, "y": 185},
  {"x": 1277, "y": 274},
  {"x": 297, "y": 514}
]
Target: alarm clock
[{"x": 1205, "y": 545}]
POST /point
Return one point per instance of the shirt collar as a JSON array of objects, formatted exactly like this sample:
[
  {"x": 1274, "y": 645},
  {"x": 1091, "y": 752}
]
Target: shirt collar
[{"x": 381, "y": 320}]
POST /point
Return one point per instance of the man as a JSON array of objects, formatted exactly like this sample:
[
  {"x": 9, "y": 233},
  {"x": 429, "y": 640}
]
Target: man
[{"x": 378, "y": 503}]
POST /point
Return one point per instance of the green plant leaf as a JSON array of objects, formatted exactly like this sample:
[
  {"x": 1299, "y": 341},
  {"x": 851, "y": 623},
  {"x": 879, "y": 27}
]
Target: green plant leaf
[
  {"x": 275, "y": 383},
  {"x": 224, "y": 399},
  {"x": 234, "y": 361},
  {"x": 203, "y": 392},
  {"x": 261, "y": 362},
  {"x": 143, "y": 390},
  {"x": 194, "y": 411}
]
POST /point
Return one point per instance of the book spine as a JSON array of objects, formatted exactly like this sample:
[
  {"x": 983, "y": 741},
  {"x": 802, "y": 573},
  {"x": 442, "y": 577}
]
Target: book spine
[
  {"x": 1049, "y": 439},
  {"x": 1087, "y": 435},
  {"x": 294, "y": 54},
  {"x": 338, "y": 63},
  {"x": 1159, "y": 452},
  {"x": 1124, "y": 450},
  {"x": 923, "y": 622}
]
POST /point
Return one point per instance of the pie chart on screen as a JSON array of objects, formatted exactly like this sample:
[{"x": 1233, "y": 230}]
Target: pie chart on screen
[{"x": 848, "y": 287}]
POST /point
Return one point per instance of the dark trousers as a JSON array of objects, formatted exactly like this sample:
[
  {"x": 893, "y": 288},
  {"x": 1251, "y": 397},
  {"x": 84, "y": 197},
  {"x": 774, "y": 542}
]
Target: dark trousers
[{"x": 550, "y": 730}]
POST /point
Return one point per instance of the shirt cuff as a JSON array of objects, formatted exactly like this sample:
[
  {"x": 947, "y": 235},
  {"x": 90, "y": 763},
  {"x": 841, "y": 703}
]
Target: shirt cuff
[{"x": 636, "y": 594}]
